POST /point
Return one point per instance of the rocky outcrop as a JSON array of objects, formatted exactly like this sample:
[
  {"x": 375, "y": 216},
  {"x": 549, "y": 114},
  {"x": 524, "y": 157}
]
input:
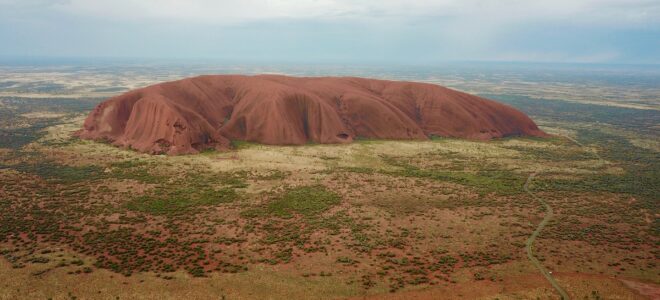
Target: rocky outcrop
[{"x": 192, "y": 114}]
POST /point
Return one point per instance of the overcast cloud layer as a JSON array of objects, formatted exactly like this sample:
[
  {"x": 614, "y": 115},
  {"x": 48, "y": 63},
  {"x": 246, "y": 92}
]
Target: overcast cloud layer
[{"x": 608, "y": 31}]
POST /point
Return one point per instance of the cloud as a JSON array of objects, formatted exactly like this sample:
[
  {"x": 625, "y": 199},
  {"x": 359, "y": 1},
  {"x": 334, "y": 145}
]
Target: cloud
[
  {"x": 612, "y": 12},
  {"x": 338, "y": 30}
]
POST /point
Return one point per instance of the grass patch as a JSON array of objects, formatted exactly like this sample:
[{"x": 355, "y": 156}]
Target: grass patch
[
  {"x": 562, "y": 154},
  {"x": 60, "y": 173},
  {"x": 485, "y": 181},
  {"x": 306, "y": 200},
  {"x": 642, "y": 170},
  {"x": 180, "y": 200},
  {"x": 134, "y": 169},
  {"x": 236, "y": 144}
]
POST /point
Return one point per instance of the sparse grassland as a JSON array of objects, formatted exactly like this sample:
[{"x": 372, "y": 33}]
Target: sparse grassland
[{"x": 373, "y": 218}]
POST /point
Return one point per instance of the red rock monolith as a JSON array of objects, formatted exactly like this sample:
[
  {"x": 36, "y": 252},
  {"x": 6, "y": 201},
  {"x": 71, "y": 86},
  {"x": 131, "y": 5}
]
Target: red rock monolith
[{"x": 189, "y": 115}]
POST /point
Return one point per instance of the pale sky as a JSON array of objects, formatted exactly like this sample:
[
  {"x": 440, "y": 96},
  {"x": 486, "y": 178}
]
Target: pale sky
[{"x": 348, "y": 31}]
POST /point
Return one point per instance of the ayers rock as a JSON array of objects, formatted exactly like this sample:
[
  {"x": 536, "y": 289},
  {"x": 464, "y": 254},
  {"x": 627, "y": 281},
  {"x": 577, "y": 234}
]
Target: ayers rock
[{"x": 193, "y": 114}]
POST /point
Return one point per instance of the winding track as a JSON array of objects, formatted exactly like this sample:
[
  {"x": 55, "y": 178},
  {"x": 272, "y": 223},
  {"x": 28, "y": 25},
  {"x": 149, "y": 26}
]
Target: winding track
[
  {"x": 530, "y": 241},
  {"x": 549, "y": 212}
]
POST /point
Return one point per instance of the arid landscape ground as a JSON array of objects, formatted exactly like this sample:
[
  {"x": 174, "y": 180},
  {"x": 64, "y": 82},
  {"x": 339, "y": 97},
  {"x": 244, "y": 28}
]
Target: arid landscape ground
[{"x": 438, "y": 219}]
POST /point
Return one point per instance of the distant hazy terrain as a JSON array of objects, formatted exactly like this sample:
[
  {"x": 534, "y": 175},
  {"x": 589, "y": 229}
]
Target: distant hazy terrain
[
  {"x": 435, "y": 219},
  {"x": 617, "y": 85}
]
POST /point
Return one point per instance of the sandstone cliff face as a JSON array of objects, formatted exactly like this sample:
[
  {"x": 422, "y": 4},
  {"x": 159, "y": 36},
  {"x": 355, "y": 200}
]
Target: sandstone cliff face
[{"x": 192, "y": 114}]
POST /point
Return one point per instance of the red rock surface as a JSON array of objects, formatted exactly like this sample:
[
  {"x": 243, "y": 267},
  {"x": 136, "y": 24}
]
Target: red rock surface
[{"x": 192, "y": 114}]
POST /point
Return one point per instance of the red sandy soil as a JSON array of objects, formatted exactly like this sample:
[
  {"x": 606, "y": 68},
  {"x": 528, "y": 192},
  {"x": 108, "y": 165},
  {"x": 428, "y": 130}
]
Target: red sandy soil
[
  {"x": 647, "y": 289},
  {"x": 527, "y": 285},
  {"x": 193, "y": 114}
]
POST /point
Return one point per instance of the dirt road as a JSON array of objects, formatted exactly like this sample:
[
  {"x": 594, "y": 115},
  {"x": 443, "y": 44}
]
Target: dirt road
[{"x": 530, "y": 241}]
